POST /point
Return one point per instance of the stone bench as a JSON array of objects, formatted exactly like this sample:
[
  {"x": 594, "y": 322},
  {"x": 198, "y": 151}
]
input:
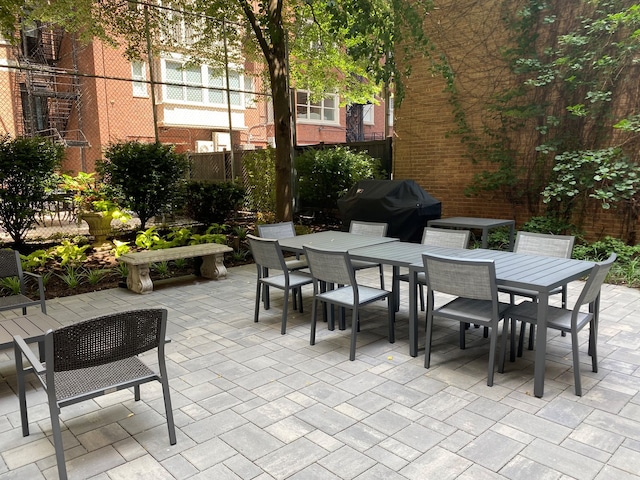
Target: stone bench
[{"x": 138, "y": 279}]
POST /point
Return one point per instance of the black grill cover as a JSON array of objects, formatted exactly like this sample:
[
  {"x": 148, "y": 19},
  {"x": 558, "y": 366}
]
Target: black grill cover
[{"x": 402, "y": 204}]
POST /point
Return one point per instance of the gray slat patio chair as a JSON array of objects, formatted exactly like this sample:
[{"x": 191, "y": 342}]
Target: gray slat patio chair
[
  {"x": 373, "y": 229},
  {"x": 438, "y": 237},
  {"x": 268, "y": 256},
  {"x": 473, "y": 282},
  {"x": 335, "y": 267},
  {"x": 10, "y": 266},
  {"x": 277, "y": 231},
  {"x": 572, "y": 320},
  {"x": 528, "y": 243},
  {"x": 92, "y": 358}
]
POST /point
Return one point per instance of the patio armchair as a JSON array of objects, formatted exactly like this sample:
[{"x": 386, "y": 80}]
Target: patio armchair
[
  {"x": 473, "y": 282},
  {"x": 335, "y": 268},
  {"x": 93, "y": 358},
  {"x": 268, "y": 256},
  {"x": 10, "y": 266},
  {"x": 373, "y": 229},
  {"x": 571, "y": 320},
  {"x": 528, "y": 243}
]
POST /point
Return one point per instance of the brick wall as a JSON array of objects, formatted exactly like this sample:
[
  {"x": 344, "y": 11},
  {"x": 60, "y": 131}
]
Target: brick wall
[{"x": 468, "y": 32}]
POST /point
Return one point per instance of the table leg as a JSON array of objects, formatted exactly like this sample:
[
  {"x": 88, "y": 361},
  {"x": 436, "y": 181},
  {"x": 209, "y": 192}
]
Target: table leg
[
  {"x": 485, "y": 237},
  {"x": 413, "y": 313},
  {"x": 512, "y": 232},
  {"x": 541, "y": 345},
  {"x": 395, "y": 288}
]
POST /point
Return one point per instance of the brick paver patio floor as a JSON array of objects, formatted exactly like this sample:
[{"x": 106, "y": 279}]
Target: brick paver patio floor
[{"x": 250, "y": 403}]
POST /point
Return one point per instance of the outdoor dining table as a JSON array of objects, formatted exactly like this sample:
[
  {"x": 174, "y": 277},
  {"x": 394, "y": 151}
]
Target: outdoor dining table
[
  {"x": 331, "y": 240},
  {"x": 484, "y": 224}
]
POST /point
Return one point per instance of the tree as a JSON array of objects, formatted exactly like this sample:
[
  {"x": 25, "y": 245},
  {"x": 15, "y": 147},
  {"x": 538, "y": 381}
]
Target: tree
[
  {"x": 26, "y": 167},
  {"x": 149, "y": 175},
  {"x": 345, "y": 46}
]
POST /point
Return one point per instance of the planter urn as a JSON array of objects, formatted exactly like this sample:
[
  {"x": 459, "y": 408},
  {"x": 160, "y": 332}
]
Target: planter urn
[{"x": 99, "y": 226}]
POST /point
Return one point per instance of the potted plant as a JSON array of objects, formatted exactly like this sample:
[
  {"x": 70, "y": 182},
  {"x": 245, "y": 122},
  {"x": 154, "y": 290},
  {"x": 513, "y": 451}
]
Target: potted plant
[{"x": 97, "y": 204}]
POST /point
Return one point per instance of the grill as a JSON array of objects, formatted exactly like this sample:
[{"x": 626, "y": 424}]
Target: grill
[{"x": 402, "y": 204}]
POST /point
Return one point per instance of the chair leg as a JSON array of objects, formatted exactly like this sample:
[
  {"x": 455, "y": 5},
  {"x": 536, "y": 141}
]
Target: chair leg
[
  {"x": 257, "y": 309},
  {"x": 521, "y": 338},
  {"x": 392, "y": 318},
  {"x": 136, "y": 393},
  {"x": 314, "y": 313},
  {"x": 428, "y": 336},
  {"x": 421, "y": 298},
  {"x": 532, "y": 335},
  {"x": 593, "y": 346},
  {"x": 463, "y": 328},
  {"x": 493, "y": 342},
  {"x": 512, "y": 337},
  {"x": 168, "y": 410},
  {"x": 576, "y": 362},
  {"x": 503, "y": 346},
  {"x": 285, "y": 307},
  {"x": 57, "y": 439},
  {"x": 381, "y": 267},
  {"x": 354, "y": 332}
]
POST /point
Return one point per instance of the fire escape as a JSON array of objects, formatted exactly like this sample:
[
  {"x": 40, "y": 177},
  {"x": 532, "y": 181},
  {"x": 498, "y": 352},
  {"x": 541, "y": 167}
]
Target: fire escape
[{"x": 50, "y": 97}]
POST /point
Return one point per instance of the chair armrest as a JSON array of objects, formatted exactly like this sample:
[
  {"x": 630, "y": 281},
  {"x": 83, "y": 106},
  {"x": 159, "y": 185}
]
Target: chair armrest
[
  {"x": 28, "y": 353},
  {"x": 40, "y": 282}
]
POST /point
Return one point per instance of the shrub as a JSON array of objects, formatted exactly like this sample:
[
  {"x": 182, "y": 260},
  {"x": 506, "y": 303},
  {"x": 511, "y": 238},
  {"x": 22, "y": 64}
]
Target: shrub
[
  {"x": 325, "y": 175},
  {"x": 149, "y": 175},
  {"x": 209, "y": 203},
  {"x": 260, "y": 170},
  {"x": 27, "y": 167}
]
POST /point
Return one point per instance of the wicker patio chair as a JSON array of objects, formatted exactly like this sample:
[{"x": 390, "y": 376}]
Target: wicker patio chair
[
  {"x": 473, "y": 282},
  {"x": 335, "y": 268},
  {"x": 10, "y": 266},
  {"x": 574, "y": 320},
  {"x": 373, "y": 229},
  {"x": 92, "y": 358},
  {"x": 268, "y": 256},
  {"x": 528, "y": 243}
]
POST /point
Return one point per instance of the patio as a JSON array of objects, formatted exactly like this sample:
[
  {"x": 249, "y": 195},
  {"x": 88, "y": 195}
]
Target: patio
[{"x": 250, "y": 403}]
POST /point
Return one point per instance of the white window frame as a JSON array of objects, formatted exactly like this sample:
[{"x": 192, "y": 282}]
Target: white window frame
[
  {"x": 208, "y": 83},
  {"x": 390, "y": 110},
  {"x": 309, "y": 105},
  {"x": 367, "y": 114},
  {"x": 139, "y": 77}
]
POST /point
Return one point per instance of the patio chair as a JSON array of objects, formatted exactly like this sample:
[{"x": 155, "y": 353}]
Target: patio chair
[
  {"x": 93, "y": 358},
  {"x": 438, "y": 237},
  {"x": 574, "y": 320},
  {"x": 10, "y": 266},
  {"x": 335, "y": 267},
  {"x": 268, "y": 256},
  {"x": 528, "y": 243},
  {"x": 473, "y": 282},
  {"x": 373, "y": 229}
]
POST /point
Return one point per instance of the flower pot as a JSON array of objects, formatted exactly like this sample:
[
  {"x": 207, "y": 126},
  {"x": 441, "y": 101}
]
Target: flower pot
[{"x": 99, "y": 226}]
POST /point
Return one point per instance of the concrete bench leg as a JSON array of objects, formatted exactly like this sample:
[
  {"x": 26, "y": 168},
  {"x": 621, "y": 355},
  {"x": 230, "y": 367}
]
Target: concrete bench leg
[
  {"x": 213, "y": 266},
  {"x": 138, "y": 279}
]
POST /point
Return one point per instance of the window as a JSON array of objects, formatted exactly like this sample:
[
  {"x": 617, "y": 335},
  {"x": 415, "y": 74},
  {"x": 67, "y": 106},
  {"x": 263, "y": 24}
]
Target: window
[
  {"x": 178, "y": 73},
  {"x": 249, "y": 98},
  {"x": 139, "y": 77},
  {"x": 367, "y": 114},
  {"x": 323, "y": 111}
]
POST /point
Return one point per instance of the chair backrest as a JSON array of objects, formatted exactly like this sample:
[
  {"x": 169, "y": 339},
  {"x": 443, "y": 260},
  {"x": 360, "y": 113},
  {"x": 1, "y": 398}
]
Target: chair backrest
[
  {"x": 373, "y": 229},
  {"x": 445, "y": 237},
  {"x": 10, "y": 265},
  {"x": 544, "y": 244},
  {"x": 330, "y": 266},
  {"x": 266, "y": 253},
  {"x": 468, "y": 278},
  {"x": 596, "y": 278},
  {"x": 277, "y": 230},
  {"x": 105, "y": 339}
]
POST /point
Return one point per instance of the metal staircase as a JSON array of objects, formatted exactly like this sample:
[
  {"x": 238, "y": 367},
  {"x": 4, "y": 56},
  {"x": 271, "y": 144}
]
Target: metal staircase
[{"x": 49, "y": 96}]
